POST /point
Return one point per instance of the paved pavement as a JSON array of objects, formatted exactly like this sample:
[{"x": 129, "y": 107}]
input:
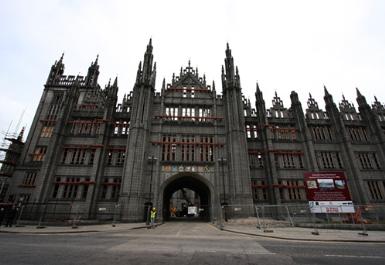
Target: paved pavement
[
  {"x": 287, "y": 233},
  {"x": 176, "y": 243},
  {"x": 33, "y": 229},
  {"x": 307, "y": 234}
]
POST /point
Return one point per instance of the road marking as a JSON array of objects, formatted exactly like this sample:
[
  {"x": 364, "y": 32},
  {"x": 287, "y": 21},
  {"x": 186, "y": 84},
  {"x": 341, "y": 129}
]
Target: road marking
[{"x": 354, "y": 256}]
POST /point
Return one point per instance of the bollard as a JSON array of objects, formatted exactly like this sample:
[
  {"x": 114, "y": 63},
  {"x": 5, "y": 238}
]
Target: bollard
[
  {"x": 114, "y": 216},
  {"x": 221, "y": 225},
  {"x": 259, "y": 226},
  {"x": 288, "y": 214},
  {"x": 265, "y": 230},
  {"x": 315, "y": 232},
  {"x": 74, "y": 224},
  {"x": 19, "y": 217},
  {"x": 364, "y": 232},
  {"x": 39, "y": 225}
]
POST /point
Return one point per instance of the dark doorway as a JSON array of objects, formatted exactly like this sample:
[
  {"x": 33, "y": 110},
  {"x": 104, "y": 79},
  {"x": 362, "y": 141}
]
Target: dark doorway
[{"x": 186, "y": 199}]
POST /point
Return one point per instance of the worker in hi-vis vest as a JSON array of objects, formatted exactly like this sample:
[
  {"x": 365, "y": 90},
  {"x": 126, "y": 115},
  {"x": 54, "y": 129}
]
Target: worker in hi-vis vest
[{"x": 153, "y": 216}]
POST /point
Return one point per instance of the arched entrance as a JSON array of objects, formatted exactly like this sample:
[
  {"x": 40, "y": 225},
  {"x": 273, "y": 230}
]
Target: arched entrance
[{"x": 194, "y": 191}]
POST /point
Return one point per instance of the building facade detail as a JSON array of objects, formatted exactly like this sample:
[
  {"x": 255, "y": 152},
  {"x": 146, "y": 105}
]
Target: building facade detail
[{"x": 86, "y": 148}]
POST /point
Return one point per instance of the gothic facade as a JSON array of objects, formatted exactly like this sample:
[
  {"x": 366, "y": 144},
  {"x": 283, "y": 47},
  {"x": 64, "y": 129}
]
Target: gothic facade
[{"x": 86, "y": 148}]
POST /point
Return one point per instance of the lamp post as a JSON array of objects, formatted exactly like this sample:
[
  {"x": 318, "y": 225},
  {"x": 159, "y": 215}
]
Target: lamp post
[
  {"x": 152, "y": 159},
  {"x": 224, "y": 203}
]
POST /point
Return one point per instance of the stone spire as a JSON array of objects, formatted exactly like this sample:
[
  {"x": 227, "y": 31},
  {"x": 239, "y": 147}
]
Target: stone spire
[
  {"x": 93, "y": 73},
  {"x": 57, "y": 70}
]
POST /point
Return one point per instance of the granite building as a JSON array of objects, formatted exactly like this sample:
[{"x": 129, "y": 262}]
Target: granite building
[{"x": 86, "y": 148}]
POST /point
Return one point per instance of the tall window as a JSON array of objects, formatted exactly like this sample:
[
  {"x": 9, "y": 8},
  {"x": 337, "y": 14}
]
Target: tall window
[
  {"x": 289, "y": 160},
  {"x": 29, "y": 178},
  {"x": 284, "y": 133},
  {"x": 55, "y": 106},
  {"x": 206, "y": 148},
  {"x": 109, "y": 158},
  {"x": 376, "y": 189},
  {"x": 172, "y": 113},
  {"x": 292, "y": 190},
  {"x": 321, "y": 133},
  {"x": 329, "y": 160},
  {"x": 188, "y": 148},
  {"x": 115, "y": 156},
  {"x": 46, "y": 131},
  {"x": 169, "y": 148},
  {"x": 358, "y": 134},
  {"x": 110, "y": 188},
  {"x": 121, "y": 128},
  {"x": 39, "y": 153},
  {"x": 368, "y": 161},
  {"x": 259, "y": 189},
  {"x": 188, "y": 114},
  {"x": 204, "y": 114},
  {"x": 71, "y": 188},
  {"x": 251, "y": 131},
  {"x": 121, "y": 157},
  {"x": 256, "y": 159},
  {"x": 78, "y": 156}
]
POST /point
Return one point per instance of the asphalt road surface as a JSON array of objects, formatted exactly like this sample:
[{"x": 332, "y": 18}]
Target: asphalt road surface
[{"x": 178, "y": 243}]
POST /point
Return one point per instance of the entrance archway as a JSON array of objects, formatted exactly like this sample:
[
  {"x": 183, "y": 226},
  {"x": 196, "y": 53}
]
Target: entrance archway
[{"x": 201, "y": 201}]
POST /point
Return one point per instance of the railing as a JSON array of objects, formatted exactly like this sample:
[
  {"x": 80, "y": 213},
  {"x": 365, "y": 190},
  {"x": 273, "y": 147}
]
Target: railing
[
  {"x": 268, "y": 217},
  {"x": 64, "y": 213}
]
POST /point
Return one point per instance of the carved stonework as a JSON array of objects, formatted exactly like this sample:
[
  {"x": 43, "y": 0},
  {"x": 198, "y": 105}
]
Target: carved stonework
[
  {"x": 312, "y": 104},
  {"x": 378, "y": 106},
  {"x": 346, "y": 106}
]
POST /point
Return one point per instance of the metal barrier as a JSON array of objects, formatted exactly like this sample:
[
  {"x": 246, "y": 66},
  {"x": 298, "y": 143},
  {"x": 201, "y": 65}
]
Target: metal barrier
[
  {"x": 53, "y": 212},
  {"x": 269, "y": 217},
  {"x": 65, "y": 213}
]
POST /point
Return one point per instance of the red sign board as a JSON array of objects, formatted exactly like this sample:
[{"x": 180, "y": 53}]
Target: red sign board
[
  {"x": 328, "y": 192},
  {"x": 326, "y": 186}
]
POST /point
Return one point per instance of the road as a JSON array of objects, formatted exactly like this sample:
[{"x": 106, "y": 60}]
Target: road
[{"x": 178, "y": 243}]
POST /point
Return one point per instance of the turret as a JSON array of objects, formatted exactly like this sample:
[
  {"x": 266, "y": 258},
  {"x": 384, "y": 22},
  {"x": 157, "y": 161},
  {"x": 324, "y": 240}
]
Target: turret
[
  {"x": 147, "y": 74},
  {"x": 93, "y": 73},
  {"x": 230, "y": 78},
  {"x": 260, "y": 106},
  {"x": 236, "y": 147},
  {"x": 56, "y": 71},
  {"x": 140, "y": 128},
  {"x": 361, "y": 100}
]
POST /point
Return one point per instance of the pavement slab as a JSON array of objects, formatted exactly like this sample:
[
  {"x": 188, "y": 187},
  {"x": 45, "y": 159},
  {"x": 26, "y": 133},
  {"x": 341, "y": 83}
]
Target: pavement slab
[{"x": 307, "y": 234}]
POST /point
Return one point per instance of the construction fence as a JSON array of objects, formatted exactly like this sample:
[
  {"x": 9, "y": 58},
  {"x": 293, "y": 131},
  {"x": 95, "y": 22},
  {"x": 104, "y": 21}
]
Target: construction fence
[
  {"x": 63, "y": 213},
  {"x": 267, "y": 217}
]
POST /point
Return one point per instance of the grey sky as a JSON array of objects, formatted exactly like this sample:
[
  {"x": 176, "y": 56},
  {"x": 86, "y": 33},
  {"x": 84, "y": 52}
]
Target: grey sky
[{"x": 284, "y": 45}]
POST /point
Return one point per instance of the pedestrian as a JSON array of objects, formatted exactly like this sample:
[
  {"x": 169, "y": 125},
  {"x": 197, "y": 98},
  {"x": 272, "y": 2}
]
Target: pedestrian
[
  {"x": 10, "y": 216},
  {"x": 153, "y": 216},
  {"x": 173, "y": 211}
]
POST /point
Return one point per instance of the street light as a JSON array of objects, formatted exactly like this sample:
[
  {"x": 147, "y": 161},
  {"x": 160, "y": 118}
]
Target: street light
[
  {"x": 224, "y": 203},
  {"x": 152, "y": 159}
]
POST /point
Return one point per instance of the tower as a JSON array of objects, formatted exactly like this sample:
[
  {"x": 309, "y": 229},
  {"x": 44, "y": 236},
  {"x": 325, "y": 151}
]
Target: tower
[
  {"x": 131, "y": 198},
  {"x": 238, "y": 160},
  {"x": 353, "y": 175}
]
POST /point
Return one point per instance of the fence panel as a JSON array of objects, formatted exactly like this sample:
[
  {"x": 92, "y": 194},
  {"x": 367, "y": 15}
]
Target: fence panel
[{"x": 268, "y": 217}]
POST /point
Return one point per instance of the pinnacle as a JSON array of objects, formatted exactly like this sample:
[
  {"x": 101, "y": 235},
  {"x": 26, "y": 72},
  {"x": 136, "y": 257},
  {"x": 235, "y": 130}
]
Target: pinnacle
[
  {"x": 358, "y": 92},
  {"x": 326, "y": 91}
]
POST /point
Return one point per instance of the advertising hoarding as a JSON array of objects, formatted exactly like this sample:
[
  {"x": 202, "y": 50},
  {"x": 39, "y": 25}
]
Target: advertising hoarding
[{"x": 328, "y": 192}]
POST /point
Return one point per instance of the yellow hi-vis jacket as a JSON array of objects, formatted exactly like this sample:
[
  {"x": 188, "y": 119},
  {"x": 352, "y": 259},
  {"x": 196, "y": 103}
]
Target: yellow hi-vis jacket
[{"x": 153, "y": 214}]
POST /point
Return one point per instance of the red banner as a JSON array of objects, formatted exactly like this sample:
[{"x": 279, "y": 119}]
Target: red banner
[{"x": 326, "y": 186}]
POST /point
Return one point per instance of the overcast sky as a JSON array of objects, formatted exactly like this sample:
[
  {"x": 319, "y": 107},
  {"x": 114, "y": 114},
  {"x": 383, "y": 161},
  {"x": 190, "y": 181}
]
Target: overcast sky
[{"x": 284, "y": 45}]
